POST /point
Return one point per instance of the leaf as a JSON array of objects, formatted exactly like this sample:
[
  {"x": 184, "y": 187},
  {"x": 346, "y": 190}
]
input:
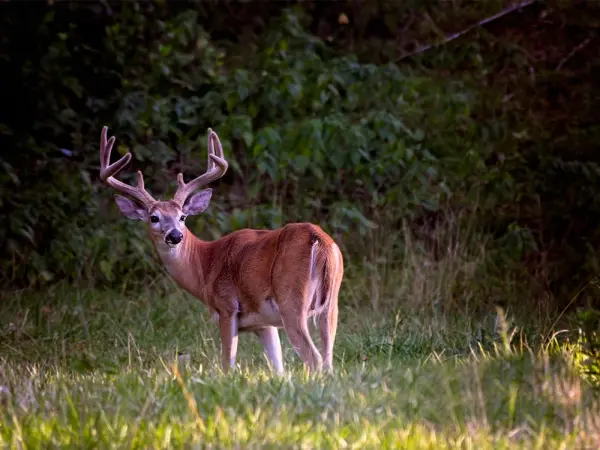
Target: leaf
[
  {"x": 248, "y": 138},
  {"x": 418, "y": 135},
  {"x": 300, "y": 163},
  {"x": 165, "y": 49}
]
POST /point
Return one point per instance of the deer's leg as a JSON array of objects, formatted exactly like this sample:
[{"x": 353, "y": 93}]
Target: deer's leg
[
  {"x": 269, "y": 338},
  {"x": 292, "y": 272},
  {"x": 295, "y": 324},
  {"x": 328, "y": 327},
  {"x": 228, "y": 327}
]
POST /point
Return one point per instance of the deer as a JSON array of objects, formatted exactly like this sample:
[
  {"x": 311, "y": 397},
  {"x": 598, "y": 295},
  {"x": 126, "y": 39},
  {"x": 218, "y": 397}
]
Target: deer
[{"x": 251, "y": 280}]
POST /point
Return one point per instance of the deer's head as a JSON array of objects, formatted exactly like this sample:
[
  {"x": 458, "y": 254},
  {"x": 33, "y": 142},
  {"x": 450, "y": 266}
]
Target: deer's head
[{"x": 165, "y": 219}]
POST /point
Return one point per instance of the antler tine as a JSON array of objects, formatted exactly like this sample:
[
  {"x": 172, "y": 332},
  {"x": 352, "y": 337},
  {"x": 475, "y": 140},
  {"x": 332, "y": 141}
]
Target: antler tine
[
  {"x": 217, "y": 144},
  {"x": 106, "y": 169},
  {"x": 107, "y": 172},
  {"x": 210, "y": 164},
  {"x": 212, "y": 138},
  {"x": 216, "y": 168}
]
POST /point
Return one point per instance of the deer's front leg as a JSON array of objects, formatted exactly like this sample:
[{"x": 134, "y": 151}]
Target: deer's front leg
[{"x": 228, "y": 326}]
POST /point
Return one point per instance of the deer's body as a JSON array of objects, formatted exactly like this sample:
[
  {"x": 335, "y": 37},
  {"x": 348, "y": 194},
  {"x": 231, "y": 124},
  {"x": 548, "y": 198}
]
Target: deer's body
[
  {"x": 250, "y": 266},
  {"x": 251, "y": 280}
]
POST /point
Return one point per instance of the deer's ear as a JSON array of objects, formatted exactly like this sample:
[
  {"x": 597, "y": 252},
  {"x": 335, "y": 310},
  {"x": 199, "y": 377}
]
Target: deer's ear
[
  {"x": 198, "y": 202},
  {"x": 130, "y": 209}
]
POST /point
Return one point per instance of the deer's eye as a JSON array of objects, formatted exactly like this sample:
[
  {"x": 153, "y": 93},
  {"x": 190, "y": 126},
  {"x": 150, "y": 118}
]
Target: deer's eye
[
  {"x": 154, "y": 219},
  {"x": 182, "y": 218}
]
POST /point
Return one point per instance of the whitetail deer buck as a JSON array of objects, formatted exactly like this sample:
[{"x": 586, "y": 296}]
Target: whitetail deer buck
[{"x": 252, "y": 280}]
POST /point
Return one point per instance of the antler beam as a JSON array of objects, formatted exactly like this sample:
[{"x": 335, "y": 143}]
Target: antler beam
[
  {"x": 217, "y": 166},
  {"x": 108, "y": 171}
]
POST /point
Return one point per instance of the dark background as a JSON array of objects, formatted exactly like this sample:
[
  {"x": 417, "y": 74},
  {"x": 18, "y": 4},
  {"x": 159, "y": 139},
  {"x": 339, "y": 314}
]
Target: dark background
[{"x": 368, "y": 118}]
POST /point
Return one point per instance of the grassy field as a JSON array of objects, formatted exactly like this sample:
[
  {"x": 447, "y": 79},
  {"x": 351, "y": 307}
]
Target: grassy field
[{"x": 89, "y": 369}]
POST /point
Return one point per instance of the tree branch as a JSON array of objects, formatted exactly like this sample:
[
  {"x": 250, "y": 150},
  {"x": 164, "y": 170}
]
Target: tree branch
[
  {"x": 458, "y": 34},
  {"x": 572, "y": 52}
]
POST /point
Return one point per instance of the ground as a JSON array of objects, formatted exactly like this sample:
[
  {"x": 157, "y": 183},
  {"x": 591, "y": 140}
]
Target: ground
[{"x": 100, "y": 369}]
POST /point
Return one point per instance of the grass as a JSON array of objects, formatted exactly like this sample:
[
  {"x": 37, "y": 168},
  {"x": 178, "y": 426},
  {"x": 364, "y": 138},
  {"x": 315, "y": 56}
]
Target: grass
[
  {"x": 423, "y": 360},
  {"x": 92, "y": 369}
]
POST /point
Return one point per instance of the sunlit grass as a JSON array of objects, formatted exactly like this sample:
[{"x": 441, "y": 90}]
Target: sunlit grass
[{"x": 90, "y": 369}]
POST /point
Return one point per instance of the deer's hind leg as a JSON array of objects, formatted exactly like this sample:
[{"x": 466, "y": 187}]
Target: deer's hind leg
[
  {"x": 330, "y": 290},
  {"x": 269, "y": 338},
  {"x": 295, "y": 323},
  {"x": 294, "y": 292},
  {"x": 294, "y": 302}
]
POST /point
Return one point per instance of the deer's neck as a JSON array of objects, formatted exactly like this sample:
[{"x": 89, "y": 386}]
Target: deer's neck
[{"x": 186, "y": 262}]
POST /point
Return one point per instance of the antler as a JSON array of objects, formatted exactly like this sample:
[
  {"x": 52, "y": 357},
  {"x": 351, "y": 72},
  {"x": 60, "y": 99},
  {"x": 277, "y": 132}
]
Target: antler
[
  {"x": 217, "y": 166},
  {"x": 107, "y": 171}
]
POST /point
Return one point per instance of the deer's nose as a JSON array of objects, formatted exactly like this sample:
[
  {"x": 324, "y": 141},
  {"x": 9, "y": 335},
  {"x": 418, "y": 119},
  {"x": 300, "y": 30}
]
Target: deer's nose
[{"x": 174, "y": 237}]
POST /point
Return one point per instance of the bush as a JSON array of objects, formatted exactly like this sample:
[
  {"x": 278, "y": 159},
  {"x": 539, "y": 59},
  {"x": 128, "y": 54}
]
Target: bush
[
  {"x": 310, "y": 136},
  {"x": 312, "y": 131}
]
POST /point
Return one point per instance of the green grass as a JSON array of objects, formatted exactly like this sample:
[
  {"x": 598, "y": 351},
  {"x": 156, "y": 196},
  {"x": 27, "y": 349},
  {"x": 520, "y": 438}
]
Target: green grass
[{"x": 90, "y": 369}]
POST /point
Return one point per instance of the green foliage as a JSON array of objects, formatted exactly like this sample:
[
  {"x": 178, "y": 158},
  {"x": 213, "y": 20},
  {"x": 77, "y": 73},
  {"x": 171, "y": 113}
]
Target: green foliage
[
  {"x": 317, "y": 120},
  {"x": 87, "y": 368},
  {"x": 310, "y": 136},
  {"x": 589, "y": 343}
]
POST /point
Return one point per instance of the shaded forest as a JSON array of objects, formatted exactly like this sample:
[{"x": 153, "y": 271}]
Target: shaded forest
[{"x": 381, "y": 121}]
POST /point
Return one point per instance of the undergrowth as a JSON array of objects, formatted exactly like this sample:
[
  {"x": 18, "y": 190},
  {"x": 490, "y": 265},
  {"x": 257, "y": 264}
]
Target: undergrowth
[
  {"x": 416, "y": 366},
  {"x": 108, "y": 370}
]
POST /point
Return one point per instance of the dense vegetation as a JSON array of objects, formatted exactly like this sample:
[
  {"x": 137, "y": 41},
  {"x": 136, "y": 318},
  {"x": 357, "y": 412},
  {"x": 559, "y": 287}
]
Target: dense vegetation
[
  {"x": 325, "y": 114},
  {"x": 449, "y": 147}
]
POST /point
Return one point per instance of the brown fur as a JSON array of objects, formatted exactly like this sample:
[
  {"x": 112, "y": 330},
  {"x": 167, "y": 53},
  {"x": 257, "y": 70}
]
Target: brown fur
[
  {"x": 252, "y": 280},
  {"x": 238, "y": 273},
  {"x": 253, "y": 265}
]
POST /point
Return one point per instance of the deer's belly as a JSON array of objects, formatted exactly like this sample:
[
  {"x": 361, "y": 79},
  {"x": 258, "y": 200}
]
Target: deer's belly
[{"x": 268, "y": 315}]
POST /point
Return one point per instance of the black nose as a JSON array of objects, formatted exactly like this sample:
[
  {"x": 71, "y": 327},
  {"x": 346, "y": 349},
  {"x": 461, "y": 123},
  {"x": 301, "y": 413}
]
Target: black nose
[{"x": 174, "y": 237}]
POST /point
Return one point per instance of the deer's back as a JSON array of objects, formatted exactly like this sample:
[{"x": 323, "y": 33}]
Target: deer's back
[{"x": 251, "y": 265}]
